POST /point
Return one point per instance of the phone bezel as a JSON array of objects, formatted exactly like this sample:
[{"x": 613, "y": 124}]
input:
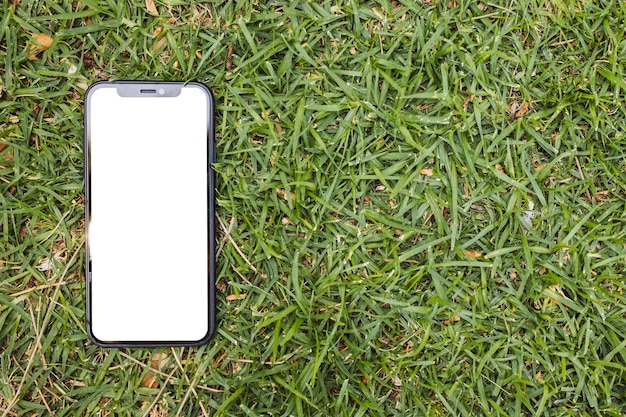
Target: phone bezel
[{"x": 168, "y": 89}]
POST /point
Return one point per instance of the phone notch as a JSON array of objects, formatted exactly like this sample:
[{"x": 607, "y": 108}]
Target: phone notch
[{"x": 148, "y": 90}]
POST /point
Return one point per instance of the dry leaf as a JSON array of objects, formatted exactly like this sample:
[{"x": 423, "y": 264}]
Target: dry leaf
[
  {"x": 229, "y": 57},
  {"x": 149, "y": 381},
  {"x": 467, "y": 101},
  {"x": 160, "y": 43},
  {"x": 601, "y": 195},
  {"x": 473, "y": 254},
  {"x": 158, "y": 360},
  {"x": 41, "y": 42},
  {"x": 452, "y": 320},
  {"x": 151, "y": 8},
  {"x": 426, "y": 171},
  {"x": 281, "y": 191},
  {"x": 523, "y": 110},
  {"x": 233, "y": 297}
]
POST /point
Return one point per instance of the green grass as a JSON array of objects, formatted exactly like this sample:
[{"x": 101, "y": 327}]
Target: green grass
[{"x": 422, "y": 207}]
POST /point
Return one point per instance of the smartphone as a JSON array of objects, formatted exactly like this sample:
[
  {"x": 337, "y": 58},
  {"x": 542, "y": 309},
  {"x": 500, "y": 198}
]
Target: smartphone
[{"x": 149, "y": 217}]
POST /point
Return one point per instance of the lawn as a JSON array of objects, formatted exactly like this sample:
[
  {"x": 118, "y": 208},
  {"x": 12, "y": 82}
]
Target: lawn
[{"x": 421, "y": 207}]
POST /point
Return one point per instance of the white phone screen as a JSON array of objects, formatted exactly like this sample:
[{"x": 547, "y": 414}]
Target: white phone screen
[{"x": 148, "y": 202}]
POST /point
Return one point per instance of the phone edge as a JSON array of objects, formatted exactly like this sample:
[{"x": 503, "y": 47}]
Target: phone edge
[{"x": 211, "y": 150}]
